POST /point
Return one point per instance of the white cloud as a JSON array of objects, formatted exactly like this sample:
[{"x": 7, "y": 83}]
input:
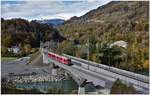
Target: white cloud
[{"x": 48, "y": 9}]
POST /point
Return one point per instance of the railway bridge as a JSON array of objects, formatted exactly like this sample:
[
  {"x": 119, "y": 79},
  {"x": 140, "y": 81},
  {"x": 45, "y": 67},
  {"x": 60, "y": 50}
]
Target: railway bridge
[{"x": 99, "y": 74}]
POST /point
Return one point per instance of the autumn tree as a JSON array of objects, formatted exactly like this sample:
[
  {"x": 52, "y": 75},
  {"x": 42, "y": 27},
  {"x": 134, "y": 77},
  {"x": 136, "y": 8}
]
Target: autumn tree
[
  {"x": 120, "y": 88},
  {"x": 67, "y": 47},
  {"x": 27, "y": 48},
  {"x": 7, "y": 41}
]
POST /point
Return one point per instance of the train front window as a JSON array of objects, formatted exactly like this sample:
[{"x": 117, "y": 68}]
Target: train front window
[{"x": 68, "y": 60}]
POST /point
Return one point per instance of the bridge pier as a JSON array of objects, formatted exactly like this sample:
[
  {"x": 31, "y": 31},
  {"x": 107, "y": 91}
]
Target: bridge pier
[
  {"x": 101, "y": 90},
  {"x": 54, "y": 72},
  {"x": 45, "y": 60},
  {"x": 81, "y": 90}
]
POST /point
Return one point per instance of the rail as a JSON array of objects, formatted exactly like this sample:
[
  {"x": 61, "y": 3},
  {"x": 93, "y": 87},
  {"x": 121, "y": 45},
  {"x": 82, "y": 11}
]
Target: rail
[{"x": 113, "y": 69}]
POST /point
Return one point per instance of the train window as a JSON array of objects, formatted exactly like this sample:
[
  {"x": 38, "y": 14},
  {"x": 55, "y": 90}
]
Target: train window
[
  {"x": 68, "y": 60},
  {"x": 49, "y": 55},
  {"x": 62, "y": 60},
  {"x": 53, "y": 56},
  {"x": 58, "y": 58},
  {"x": 65, "y": 61}
]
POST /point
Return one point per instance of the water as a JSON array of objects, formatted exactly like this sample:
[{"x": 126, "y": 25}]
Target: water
[{"x": 66, "y": 85}]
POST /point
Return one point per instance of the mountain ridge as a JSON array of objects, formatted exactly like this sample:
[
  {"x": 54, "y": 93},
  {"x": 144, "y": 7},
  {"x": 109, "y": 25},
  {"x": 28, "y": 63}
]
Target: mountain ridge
[
  {"x": 115, "y": 7},
  {"x": 54, "y": 22}
]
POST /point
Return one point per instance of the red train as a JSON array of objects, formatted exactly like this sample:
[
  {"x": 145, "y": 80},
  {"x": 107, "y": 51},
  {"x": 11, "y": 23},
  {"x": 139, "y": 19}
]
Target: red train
[{"x": 59, "y": 58}]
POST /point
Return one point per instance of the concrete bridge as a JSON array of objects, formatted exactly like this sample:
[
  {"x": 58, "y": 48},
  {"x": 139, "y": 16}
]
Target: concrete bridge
[{"x": 84, "y": 71}]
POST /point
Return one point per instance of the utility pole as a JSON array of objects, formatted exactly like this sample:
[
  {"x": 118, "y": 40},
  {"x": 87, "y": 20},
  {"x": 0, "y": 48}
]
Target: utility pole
[
  {"x": 48, "y": 44},
  {"x": 57, "y": 45},
  {"x": 88, "y": 49},
  {"x": 40, "y": 45}
]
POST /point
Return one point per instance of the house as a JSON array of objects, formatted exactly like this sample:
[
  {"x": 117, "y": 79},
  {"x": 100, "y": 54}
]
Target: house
[
  {"x": 14, "y": 49},
  {"x": 120, "y": 44}
]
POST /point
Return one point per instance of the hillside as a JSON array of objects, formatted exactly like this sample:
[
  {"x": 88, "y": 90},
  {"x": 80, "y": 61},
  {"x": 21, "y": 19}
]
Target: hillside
[
  {"x": 116, "y": 11},
  {"x": 117, "y": 20},
  {"x": 116, "y": 16},
  {"x": 26, "y": 35},
  {"x": 21, "y": 31}
]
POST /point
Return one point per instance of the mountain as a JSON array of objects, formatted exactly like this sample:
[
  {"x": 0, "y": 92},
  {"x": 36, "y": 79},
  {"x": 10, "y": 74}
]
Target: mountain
[
  {"x": 22, "y": 32},
  {"x": 114, "y": 18},
  {"x": 54, "y": 22},
  {"x": 116, "y": 21},
  {"x": 116, "y": 10}
]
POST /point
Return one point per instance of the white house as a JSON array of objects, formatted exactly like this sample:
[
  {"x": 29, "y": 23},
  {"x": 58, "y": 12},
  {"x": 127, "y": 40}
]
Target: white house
[
  {"x": 14, "y": 49},
  {"x": 120, "y": 44}
]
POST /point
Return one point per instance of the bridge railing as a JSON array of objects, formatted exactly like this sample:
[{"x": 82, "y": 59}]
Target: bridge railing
[{"x": 113, "y": 69}]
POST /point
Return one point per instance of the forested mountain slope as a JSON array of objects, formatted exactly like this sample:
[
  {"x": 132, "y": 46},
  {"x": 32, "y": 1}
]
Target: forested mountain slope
[
  {"x": 116, "y": 16},
  {"x": 117, "y": 20},
  {"x": 20, "y": 32},
  {"x": 25, "y": 35}
]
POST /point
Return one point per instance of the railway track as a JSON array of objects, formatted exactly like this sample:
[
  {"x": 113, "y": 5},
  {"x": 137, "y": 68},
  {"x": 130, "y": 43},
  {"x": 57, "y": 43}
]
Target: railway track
[{"x": 135, "y": 76}]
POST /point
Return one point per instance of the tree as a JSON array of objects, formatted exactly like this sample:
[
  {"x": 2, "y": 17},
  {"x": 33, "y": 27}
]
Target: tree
[
  {"x": 118, "y": 56},
  {"x": 67, "y": 47},
  {"x": 4, "y": 51},
  {"x": 7, "y": 41},
  {"x": 16, "y": 31},
  {"x": 27, "y": 48},
  {"x": 92, "y": 43},
  {"x": 121, "y": 88},
  {"x": 81, "y": 54},
  {"x": 95, "y": 57},
  {"x": 112, "y": 56}
]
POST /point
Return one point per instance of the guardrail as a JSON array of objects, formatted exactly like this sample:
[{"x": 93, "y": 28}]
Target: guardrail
[
  {"x": 133, "y": 75},
  {"x": 140, "y": 82}
]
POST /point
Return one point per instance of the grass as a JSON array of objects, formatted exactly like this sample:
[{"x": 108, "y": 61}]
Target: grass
[
  {"x": 8, "y": 58},
  {"x": 34, "y": 55}
]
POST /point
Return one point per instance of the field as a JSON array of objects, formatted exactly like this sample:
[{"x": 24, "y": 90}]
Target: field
[{"x": 8, "y": 58}]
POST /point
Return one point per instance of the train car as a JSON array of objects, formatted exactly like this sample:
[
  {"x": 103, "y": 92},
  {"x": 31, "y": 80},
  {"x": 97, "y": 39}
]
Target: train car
[
  {"x": 65, "y": 60},
  {"x": 59, "y": 58},
  {"x": 51, "y": 55}
]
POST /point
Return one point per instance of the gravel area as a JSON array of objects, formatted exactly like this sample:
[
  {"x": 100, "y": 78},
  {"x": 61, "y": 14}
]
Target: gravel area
[{"x": 19, "y": 71}]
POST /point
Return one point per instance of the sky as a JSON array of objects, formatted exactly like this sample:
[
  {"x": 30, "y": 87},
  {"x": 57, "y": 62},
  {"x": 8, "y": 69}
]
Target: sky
[{"x": 39, "y": 10}]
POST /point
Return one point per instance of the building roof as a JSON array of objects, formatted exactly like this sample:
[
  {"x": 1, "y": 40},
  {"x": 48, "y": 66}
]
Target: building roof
[{"x": 120, "y": 44}]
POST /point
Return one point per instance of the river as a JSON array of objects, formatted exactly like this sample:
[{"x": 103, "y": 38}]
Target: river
[{"x": 66, "y": 85}]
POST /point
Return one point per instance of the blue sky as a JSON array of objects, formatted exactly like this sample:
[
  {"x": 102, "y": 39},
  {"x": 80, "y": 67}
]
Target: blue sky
[{"x": 47, "y": 9}]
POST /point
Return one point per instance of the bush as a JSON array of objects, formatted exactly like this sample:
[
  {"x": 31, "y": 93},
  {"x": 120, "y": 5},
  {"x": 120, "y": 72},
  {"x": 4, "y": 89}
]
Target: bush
[{"x": 121, "y": 88}]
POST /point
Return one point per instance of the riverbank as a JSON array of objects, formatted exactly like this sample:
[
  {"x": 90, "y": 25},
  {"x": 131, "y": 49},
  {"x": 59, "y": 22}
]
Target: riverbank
[
  {"x": 8, "y": 59},
  {"x": 51, "y": 75},
  {"x": 67, "y": 86},
  {"x": 29, "y": 76}
]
